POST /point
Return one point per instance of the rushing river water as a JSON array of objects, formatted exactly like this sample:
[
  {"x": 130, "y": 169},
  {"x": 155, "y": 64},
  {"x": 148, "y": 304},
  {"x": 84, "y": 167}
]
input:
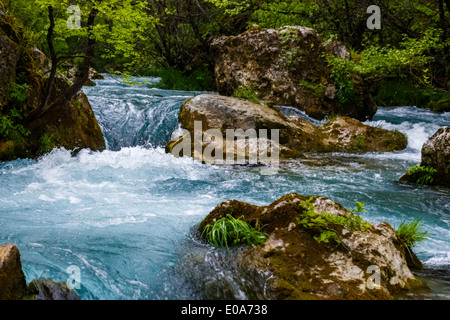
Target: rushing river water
[{"x": 125, "y": 216}]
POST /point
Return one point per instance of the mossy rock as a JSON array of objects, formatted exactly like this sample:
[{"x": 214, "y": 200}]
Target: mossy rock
[
  {"x": 298, "y": 267},
  {"x": 287, "y": 66},
  {"x": 70, "y": 125},
  {"x": 296, "y": 136}
]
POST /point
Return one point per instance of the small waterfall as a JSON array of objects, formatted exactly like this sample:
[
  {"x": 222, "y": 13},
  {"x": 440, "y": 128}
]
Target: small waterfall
[{"x": 137, "y": 115}]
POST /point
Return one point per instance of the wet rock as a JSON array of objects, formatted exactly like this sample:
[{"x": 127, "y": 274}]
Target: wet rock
[
  {"x": 47, "y": 289},
  {"x": 436, "y": 155},
  {"x": 222, "y": 113},
  {"x": 13, "y": 283},
  {"x": 287, "y": 66},
  {"x": 345, "y": 134},
  {"x": 95, "y": 75},
  {"x": 295, "y": 136},
  {"x": 12, "y": 278},
  {"x": 367, "y": 264}
]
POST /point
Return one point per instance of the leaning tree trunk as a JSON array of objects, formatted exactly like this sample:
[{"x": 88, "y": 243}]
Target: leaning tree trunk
[
  {"x": 53, "y": 57},
  {"x": 88, "y": 56},
  {"x": 84, "y": 72}
]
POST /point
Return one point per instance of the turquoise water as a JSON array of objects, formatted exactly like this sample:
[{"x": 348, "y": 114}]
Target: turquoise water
[{"x": 125, "y": 216}]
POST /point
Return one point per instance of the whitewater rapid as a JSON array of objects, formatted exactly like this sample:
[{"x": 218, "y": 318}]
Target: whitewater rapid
[{"x": 124, "y": 216}]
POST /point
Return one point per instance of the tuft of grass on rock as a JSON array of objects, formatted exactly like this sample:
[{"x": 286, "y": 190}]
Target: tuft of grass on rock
[
  {"x": 232, "y": 231},
  {"x": 411, "y": 233}
]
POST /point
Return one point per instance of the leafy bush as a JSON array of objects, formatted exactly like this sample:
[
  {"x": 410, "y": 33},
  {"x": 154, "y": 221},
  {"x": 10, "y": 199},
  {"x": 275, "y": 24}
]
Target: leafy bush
[
  {"x": 229, "y": 230},
  {"x": 398, "y": 92},
  {"x": 411, "y": 57},
  {"x": 406, "y": 70},
  {"x": 323, "y": 223},
  {"x": 341, "y": 73},
  {"x": 422, "y": 175},
  {"x": 172, "y": 79},
  {"x": 411, "y": 233},
  {"x": 46, "y": 143},
  {"x": 10, "y": 128},
  {"x": 18, "y": 93}
]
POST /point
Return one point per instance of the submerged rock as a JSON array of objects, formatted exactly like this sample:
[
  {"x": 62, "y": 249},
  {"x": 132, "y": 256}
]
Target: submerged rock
[
  {"x": 218, "y": 115},
  {"x": 288, "y": 66},
  {"x": 436, "y": 155},
  {"x": 47, "y": 289},
  {"x": 366, "y": 264},
  {"x": 13, "y": 284}
]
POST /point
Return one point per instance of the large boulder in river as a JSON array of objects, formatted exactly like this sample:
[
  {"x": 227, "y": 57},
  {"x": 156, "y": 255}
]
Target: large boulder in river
[
  {"x": 296, "y": 261},
  {"x": 295, "y": 135},
  {"x": 31, "y": 127},
  {"x": 288, "y": 66},
  {"x": 435, "y": 155}
]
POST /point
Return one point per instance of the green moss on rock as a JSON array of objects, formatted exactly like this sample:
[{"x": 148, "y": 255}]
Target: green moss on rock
[{"x": 303, "y": 268}]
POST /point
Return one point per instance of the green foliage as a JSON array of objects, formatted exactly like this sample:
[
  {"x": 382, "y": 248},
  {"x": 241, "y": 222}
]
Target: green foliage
[
  {"x": 341, "y": 73},
  {"x": 411, "y": 233},
  {"x": 399, "y": 92},
  {"x": 412, "y": 55},
  {"x": 248, "y": 94},
  {"x": 325, "y": 223},
  {"x": 46, "y": 143},
  {"x": 332, "y": 117},
  {"x": 18, "y": 93},
  {"x": 422, "y": 175},
  {"x": 77, "y": 104},
  {"x": 361, "y": 142},
  {"x": 118, "y": 28},
  {"x": 10, "y": 127},
  {"x": 279, "y": 13},
  {"x": 316, "y": 89},
  {"x": 359, "y": 208},
  {"x": 292, "y": 53},
  {"x": 172, "y": 79},
  {"x": 141, "y": 35},
  {"x": 231, "y": 231}
]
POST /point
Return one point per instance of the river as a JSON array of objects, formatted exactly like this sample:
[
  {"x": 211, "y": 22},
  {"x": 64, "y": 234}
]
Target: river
[{"x": 125, "y": 216}]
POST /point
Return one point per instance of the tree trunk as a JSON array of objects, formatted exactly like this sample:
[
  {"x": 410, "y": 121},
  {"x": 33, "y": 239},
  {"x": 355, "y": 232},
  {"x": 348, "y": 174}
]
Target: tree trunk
[
  {"x": 442, "y": 20},
  {"x": 89, "y": 54},
  {"x": 53, "y": 57}
]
